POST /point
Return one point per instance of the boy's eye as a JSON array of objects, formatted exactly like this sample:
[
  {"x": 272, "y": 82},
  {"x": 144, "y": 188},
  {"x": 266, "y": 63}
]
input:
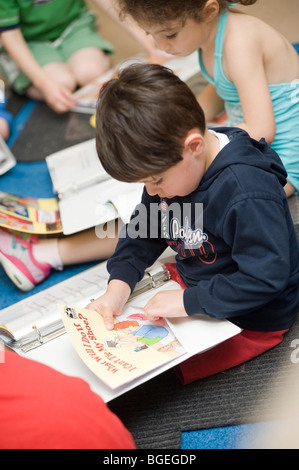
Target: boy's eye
[{"x": 158, "y": 181}]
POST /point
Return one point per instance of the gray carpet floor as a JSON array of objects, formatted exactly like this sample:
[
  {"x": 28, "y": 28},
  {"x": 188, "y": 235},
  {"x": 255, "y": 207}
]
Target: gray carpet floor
[{"x": 158, "y": 411}]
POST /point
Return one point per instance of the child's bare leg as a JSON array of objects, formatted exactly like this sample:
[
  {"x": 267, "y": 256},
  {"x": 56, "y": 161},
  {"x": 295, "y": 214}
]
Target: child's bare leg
[
  {"x": 81, "y": 247},
  {"x": 86, "y": 246},
  {"x": 4, "y": 128},
  {"x": 88, "y": 64},
  {"x": 28, "y": 261}
]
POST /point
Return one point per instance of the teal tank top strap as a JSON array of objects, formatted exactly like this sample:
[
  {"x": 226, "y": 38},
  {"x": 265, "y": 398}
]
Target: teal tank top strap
[
  {"x": 218, "y": 50},
  {"x": 218, "y": 70},
  {"x": 202, "y": 68}
]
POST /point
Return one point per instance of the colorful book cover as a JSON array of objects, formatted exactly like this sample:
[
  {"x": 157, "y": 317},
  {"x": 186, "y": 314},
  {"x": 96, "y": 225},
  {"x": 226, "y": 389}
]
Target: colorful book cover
[
  {"x": 30, "y": 215},
  {"x": 134, "y": 347}
]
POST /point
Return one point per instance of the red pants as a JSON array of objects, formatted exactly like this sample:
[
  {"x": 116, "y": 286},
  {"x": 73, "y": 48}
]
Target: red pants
[{"x": 232, "y": 352}]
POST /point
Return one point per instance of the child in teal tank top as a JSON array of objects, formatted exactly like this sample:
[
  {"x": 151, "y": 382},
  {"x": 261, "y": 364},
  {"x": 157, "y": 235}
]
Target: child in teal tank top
[{"x": 253, "y": 71}]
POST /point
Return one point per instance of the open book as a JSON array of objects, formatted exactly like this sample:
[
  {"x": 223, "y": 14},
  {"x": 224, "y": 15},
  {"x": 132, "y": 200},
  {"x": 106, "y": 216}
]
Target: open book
[
  {"x": 135, "y": 346},
  {"x": 30, "y": 215},
  {"x": 36, "y": 328},
  {"x": 184, "y": 67},
  {"x": 87, "y": 195}
]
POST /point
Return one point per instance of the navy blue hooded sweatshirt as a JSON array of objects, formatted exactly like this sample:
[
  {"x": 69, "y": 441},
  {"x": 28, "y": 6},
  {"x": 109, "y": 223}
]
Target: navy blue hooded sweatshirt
[{"x": 244, "y": 264}]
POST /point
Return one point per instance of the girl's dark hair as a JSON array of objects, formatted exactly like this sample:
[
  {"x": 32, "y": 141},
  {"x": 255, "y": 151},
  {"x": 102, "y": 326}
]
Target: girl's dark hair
[
  {"x": 142, "y": 119},
  {"x": 163, "y": 11}
]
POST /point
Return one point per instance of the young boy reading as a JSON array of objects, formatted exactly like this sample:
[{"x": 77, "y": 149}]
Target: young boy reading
[{"x": 238, "y": 259}]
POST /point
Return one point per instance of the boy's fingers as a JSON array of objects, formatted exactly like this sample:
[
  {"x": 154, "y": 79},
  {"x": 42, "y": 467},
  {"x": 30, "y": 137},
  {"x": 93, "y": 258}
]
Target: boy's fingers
[
  {"x": 108, "y": 318},
  {"x": 107, "y": 315},
  {"x": 91, "y": 306}
]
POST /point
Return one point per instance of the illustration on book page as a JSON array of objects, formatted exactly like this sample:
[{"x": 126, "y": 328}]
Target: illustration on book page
[{"x": 134, "y": 347}]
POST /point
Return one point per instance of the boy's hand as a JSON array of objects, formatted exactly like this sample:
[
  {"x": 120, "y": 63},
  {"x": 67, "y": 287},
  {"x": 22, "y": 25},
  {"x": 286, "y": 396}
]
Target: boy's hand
[
  {"x": 107, "y": 306},
  {"x": 112, "y": 302},
  {"x": 166, "y": 304}
]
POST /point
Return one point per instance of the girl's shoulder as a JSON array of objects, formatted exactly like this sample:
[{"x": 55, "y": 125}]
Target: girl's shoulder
[
  {"x": 243, "y": 43},
  {"x": 250, "y": 39},
  {"x": 243, "y": 29}
]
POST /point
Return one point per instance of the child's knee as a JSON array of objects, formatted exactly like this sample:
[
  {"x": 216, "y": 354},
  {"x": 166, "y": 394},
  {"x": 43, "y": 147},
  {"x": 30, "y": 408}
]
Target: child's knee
[
  {"x": 94, "y": 64},
  {"x": 4, "y": 128},
  {"x": 68, "y": 80},
  {"x": 5, "y": 118},
  {"x": 62, "y": 74}
]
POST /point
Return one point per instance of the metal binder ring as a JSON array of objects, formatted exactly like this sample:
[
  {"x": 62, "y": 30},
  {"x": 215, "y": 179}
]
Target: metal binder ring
[{"x": 39, "y": 336}]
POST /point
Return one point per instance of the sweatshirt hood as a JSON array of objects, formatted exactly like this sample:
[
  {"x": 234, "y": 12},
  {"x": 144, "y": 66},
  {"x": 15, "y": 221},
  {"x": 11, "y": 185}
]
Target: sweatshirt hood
[{"x": 243, "y": 150}]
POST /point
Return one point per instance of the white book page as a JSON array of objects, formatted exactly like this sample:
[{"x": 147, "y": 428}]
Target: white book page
[
  {"x": 7, "y": 159},
  {"x": 126, "y": 200},
  {"x": 184, "y": 67},
  {"x": 82, "y": 210},
  {"x": 41, "y": 309},
  {"x": 75, "y": 167},
  {"x": 98, "y": 204}
]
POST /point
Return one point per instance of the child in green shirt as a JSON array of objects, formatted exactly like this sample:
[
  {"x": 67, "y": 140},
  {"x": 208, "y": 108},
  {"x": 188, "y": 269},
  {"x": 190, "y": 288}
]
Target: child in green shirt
[{"x": 50, "y": 48}]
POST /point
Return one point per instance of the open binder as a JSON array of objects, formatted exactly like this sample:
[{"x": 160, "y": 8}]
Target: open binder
[
  {"x": 30, "y": 328},
  {"x": 87, "y": 195},
  {"x": 34, "y": 327}
]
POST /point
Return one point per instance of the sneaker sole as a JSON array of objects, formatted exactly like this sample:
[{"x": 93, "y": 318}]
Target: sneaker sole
[{"x": 15, "y": 275}]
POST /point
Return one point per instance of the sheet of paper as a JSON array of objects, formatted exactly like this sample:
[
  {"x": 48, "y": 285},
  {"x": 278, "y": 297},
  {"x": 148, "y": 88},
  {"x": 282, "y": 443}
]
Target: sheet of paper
[
  {"x": 7, "y": 159},
  {"x": 75, "y": 167},
  {"x": 98, "y": 204},
  {"x": 42, "y": 308}
]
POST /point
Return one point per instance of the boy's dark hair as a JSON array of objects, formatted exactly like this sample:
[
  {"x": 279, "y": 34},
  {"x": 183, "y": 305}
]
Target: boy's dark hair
[
  {"x": 142, "y": 119},
  {"x": 164, "y": 11}
]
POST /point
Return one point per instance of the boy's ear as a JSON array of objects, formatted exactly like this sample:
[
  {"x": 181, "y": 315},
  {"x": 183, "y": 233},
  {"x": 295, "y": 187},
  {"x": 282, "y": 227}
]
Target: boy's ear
[{"x": 194, "y": 142}]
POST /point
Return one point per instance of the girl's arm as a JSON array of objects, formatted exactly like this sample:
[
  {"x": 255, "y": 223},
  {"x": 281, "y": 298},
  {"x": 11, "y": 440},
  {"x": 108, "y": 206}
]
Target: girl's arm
[
  {"x": 56, "y": 95},
  {"x": 210, "y": 102},
  {"x": 135, "y": 31},
  {"x": 246, "y": 70}
]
